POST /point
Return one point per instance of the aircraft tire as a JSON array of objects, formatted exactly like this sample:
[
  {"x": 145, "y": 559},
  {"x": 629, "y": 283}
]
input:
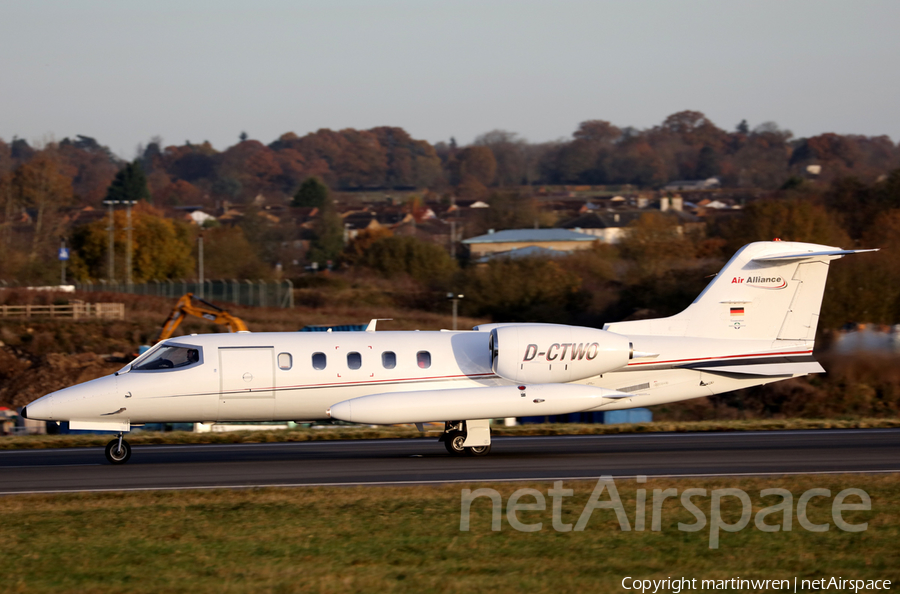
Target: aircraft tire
[
  {"x": 454, "y": 443},
  {"x": 116, "y": 456},
  {"x": 478, "y": 451}
]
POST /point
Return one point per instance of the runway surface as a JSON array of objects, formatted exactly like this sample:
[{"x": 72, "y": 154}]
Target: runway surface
[{"x": 402, "y": 461}]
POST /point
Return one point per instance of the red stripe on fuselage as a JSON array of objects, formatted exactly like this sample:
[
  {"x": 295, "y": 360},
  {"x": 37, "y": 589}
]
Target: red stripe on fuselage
[{"x": 368, "y": 382}]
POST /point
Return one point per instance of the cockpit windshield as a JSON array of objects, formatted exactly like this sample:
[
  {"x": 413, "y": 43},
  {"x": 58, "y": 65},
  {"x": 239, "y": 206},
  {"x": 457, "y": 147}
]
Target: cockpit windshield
[{"x": 170, "y": 357}]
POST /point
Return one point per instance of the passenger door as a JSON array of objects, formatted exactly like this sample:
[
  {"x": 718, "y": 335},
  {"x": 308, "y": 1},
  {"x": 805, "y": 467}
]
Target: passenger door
[{"x": 247, "y": 383}]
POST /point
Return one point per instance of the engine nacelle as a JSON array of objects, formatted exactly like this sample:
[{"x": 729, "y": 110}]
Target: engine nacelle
[{"x": 551, "y": 353}]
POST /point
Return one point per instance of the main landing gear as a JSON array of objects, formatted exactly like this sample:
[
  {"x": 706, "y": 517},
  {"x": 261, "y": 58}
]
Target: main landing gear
[
  {"x": 460, "y": 437},
  {"x": 118, "y": 451}
]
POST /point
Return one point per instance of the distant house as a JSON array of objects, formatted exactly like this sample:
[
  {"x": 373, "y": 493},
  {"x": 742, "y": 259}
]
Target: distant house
[
  {"x": 355, "y": 222},
  {"x": 561, "y": 240},
  {"x": 608, "y": 227},
  {"x": 199, "y": 217},
  {"x": 461, "y": 204},
  {"x": 611, "y": 226}
]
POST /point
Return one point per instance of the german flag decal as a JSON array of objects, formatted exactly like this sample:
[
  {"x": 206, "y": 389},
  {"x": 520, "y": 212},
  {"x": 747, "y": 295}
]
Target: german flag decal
[{"x": 737, "y": 311}]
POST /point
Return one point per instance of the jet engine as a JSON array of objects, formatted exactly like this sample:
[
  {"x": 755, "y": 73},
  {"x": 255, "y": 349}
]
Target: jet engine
[{"x": 551, "y": 353}]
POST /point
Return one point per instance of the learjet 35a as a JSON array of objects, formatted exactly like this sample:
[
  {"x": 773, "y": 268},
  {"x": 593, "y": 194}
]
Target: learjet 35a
[{"x": 755, "y": 323}]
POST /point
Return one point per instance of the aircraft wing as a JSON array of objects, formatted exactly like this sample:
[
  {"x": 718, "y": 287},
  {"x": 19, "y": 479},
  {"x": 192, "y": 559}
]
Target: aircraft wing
[
  {"x": 783, "y": 366},
  {"x": 472, "y": 403}
]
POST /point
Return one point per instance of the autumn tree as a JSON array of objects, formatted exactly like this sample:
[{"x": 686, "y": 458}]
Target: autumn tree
[
  {"x": 7, "y": 163},
  {"x": 786, "y": 219},
  {"x": 426, "y": 263},
  {"x": 359, "y": 245},
  {"x": 39, "y": 184},
  {"x": 252, "y": 165},
  {"x": 523, "y": 290},
  {"x": 129, "y": 184},
  {"x": 587, "y": 159},
  {"x": 477, "y": 162},
  {"x": 190, "y": 162},
  {"x": 410, "y": 162},
  {"x": 653, "y": 241},
  {"x": 9, "y": 203},
  {"x": 179, "y": 193},
  {"x": 761, "y": 159},
  {"x": 510, "y": 154},
  {"x": 228, "y": 254},
  {"x": 868, "y": 289},
  {"x": 693, "y": 128},
  {"x": 162, "y": 247},
  {"x": 91, "y": 166}
]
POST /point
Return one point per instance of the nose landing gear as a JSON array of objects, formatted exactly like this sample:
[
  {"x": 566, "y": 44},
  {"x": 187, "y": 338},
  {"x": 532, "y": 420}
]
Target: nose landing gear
[{"x": 118, "y": 451}]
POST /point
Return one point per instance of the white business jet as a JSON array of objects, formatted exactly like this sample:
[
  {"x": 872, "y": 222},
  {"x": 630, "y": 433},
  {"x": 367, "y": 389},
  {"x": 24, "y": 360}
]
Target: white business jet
[{"x": 755, "y": 323}]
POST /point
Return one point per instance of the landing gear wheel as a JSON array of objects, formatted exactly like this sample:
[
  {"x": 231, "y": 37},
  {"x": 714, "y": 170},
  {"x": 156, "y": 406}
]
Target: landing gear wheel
[
  {"x": 478, "y": 451},
  {"x": 454, "y": 441},
  {"x": 117, "y": 454}
]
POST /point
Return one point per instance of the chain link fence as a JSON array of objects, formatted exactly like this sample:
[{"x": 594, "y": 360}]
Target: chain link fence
[{"x": 259, "y": 293}]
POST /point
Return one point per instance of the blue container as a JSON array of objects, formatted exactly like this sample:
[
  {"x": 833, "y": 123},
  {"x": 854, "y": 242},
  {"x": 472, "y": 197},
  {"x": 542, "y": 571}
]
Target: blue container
[{"x": 631, "y": 415}]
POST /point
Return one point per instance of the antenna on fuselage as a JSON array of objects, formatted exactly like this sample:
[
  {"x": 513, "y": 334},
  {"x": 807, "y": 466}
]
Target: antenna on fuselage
[{"x": 371, "y": 326}]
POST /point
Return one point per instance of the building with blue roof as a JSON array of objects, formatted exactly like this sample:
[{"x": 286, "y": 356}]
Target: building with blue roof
[{"x": 561, "y": 240}]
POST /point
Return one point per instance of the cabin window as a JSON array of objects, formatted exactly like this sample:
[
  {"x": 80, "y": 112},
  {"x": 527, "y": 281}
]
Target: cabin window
[
  {"x": 423, "y": 359},
  {"x": 170, "y": 357},
  {"x": 285, "y": 361},
  {"x": 319, "y": 360},
  {"x": 389, "y": 359},
  {"x": 354, "y": 360}
]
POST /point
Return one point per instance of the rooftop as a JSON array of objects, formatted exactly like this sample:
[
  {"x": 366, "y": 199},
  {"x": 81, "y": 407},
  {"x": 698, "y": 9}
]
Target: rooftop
[{"x": 519, "y": 235}]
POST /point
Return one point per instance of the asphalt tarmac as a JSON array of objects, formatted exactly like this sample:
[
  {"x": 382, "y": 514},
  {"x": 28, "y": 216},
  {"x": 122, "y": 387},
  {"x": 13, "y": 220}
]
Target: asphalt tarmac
[{"x": 422, "y": 461}]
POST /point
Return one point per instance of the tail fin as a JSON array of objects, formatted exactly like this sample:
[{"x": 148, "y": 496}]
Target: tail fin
[{"x": 769, "y": 290}]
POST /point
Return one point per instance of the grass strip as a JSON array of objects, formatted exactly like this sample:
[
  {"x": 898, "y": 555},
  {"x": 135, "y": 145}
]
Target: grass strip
[
  {"x": 408, "y": 539},
  {"x": 344, "y": 432}
]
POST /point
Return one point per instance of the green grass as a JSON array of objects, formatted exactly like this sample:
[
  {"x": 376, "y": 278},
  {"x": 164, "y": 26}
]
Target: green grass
[
  {"x": 337, "y": 432},
  {"x": 407, "y": 539}
]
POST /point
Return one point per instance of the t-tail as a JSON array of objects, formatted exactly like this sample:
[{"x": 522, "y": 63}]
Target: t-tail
[{"x": 769, "y": 290}]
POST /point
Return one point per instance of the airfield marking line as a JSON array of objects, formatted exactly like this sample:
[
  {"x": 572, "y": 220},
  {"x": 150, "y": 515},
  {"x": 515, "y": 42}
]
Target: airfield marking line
[
  {"x": 52, "y": 465},
  {"x": 351, "y": 442},
  {"x": 441, "y": 482}
]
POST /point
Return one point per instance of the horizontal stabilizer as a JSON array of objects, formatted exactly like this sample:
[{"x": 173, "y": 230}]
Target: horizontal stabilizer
[
  {"x": 767, "y": 369},
  {"x": 471, "y": 403},
  {"x": 805, "y": 255}
]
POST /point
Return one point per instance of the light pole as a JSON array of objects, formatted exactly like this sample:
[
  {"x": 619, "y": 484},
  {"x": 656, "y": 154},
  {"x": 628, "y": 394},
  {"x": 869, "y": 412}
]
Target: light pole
[
  {"x": 200, "y": 262},
  {"x": 111, "y": 249},
  {"x": 454, "y": 298},
  {"x": 112, "y": 239},
  {"x": 128, "y": 247}
]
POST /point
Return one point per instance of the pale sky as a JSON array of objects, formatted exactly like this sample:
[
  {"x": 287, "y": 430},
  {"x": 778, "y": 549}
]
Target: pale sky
[{"x": 123, "y": 72}]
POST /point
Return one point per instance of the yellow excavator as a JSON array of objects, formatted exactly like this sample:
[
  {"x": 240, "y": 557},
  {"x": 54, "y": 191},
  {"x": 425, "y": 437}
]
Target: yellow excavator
[{"x": 189, "y": 305}]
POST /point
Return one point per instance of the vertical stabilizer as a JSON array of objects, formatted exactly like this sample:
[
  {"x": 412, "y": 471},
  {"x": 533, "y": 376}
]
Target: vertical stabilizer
[{"x": 769, "y": 290}]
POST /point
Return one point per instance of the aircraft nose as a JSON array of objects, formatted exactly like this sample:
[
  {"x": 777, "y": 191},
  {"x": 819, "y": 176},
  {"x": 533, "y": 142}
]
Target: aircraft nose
[{"x": 41, "y": 409}]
